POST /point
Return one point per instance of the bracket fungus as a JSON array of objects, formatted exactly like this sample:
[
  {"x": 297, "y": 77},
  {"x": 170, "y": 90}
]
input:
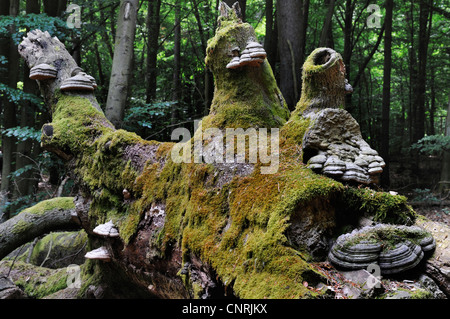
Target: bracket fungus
[
  {"x": 333, "y": 144},
  {"x": 79, "y": 82},
  {"x": 395, "y": 248},
  {"x": 108, "y": 230},
  {"x": 98, "y": 254},
  {"x": 43, "y": 71},
  {"x": 253, "y": 55}
]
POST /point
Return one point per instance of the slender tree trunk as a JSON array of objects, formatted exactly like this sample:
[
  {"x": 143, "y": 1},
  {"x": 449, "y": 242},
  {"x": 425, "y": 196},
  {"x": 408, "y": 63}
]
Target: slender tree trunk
[
  {"x": 271, "y": 38},
  {"x": 51, "y": 7},
  {"x": 384, "y": 151},
  {"x": 123, "y": 58},
  {"x": 208, "y": 79},
  {"x": 444, "y": 184},
  {"x": 10, "y": 110},
  {"x": 4, "y": 51},
  {"x": 348, "y": 36},
  {"x": 153, "y": 26},
  {"x": 27, "y": 119},
  {"x": 176, "y": 79},
  {"x": 419, "y": 101},
  {"x": 432, "y": 130},
  {"x": 289, "y": 37},
  {"x": 304, "y": 27},
  {"x": 412, "y": 73},
  {"x": 326, "y": 37}
]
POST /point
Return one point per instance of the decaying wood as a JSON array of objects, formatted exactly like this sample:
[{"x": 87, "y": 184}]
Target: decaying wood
[
  {"x": 195, "y": 229},
  {"x": 28, "y": 225}
]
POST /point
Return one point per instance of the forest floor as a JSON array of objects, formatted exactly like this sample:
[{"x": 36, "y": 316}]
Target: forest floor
[{"x": 439, "y": 214}]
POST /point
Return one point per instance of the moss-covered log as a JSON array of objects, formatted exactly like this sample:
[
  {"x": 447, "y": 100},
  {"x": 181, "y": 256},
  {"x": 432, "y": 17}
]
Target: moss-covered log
[
  {"x": 196, "y": 229},
  {"x": 51, "y": 215}
]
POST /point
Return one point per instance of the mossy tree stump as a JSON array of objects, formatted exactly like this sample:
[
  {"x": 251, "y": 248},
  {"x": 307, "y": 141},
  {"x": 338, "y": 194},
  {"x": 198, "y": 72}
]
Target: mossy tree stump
[{"x": 197, "y": 229}]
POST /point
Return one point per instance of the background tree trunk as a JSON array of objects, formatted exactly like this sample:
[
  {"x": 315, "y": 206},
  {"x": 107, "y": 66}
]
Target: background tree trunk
[
  {"x": 271, "y": 39},
  {"x": 445, "y": 170},
  {"x": 24, "y": 184},
  {"x": 9, "y": 111},
  {"x": 326, "y": 37},
  {"x": 176, "y": 81},
  {"x": 290, "y": 33},
  {"x": 419, "y": 100},
  {"x": 122, "y": 62},
  {"x": 153, "y": 26},
  {"x": 384, "y": 150}
]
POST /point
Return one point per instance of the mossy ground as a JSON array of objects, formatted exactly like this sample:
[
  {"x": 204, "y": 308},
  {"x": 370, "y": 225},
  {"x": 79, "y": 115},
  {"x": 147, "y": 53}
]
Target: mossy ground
[{"x": 37, "y": 282}]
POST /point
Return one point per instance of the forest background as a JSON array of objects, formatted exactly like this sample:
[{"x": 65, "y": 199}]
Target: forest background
[{"x": 397, "y": 58}]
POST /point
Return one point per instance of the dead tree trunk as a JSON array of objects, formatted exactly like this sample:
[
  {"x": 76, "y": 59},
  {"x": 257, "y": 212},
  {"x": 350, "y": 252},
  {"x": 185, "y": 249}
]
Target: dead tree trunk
[
  {"x": 51, "y": 215},
  {"x": 190, "y": 226}
]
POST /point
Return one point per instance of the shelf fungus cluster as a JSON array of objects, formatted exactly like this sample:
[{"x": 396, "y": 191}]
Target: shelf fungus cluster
[
  {"x": 334, "y": 147},
  {"x": 253, "y": 55},
  {"x": 332, "y": 144},
  {"x": 395, "y": 248},
  {"x": 107, "y": 230}
]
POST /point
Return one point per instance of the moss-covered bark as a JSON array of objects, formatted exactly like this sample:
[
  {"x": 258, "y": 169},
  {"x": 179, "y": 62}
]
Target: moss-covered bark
[
  {"x": 182, "y": 218},
  {"x": 47, "y": 216}
]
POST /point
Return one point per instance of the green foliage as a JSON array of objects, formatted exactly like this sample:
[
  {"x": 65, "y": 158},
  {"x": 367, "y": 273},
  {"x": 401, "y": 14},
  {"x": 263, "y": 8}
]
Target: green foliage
[
  {"x": 432, "y": 144},
  {"x": 424, "y": 195},
  {"x": 23, "y": 23},
  {"x": 17, "y": 95},
  {"x": 23, "y": 133},
  {"x": 147, "y": 118}
]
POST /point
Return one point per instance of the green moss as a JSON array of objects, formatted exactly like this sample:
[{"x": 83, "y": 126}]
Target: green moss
[
  {"x": 384, "y": 207},
  {"x": 21, "y": 226},
  {"x": 244, "y": 97},
  {"x": 39, "y": 282},
  {"x": 421, "y": 294},
  {"x": 64, "y": 203},
  {"x": 322, "y": 87}
]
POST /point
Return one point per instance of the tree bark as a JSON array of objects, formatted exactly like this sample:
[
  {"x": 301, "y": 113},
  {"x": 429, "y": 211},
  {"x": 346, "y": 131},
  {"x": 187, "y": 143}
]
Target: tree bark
[
  {"x": 445, "y": 169},
  {"x": 51, "y": 215},
  {"x": 153, "y": 26},
  {"x": 176, "y": 76},
  {"x": 326, "y": 37},
  {"x": 123, "y": 58},
  {"x": 419, "y": 100},
  {"x": 242, "y": 5},
  {"x": 27, "y": 119},
  {"x": 270, "y": 41},
  {"x": 290, "y": 33},
  {"x": 384, "y": 151},
  {"x": 10, "y": 110}
]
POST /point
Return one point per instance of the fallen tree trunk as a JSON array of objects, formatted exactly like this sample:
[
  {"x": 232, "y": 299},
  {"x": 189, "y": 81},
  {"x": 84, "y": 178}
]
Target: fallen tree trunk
[
  {"x": 190, "y": 226},
  {"x": 47, "y": 216}
]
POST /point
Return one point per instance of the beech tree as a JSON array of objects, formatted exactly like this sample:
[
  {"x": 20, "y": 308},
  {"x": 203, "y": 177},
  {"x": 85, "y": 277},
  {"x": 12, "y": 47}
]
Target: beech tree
[{"x": 122, "y": 62}]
